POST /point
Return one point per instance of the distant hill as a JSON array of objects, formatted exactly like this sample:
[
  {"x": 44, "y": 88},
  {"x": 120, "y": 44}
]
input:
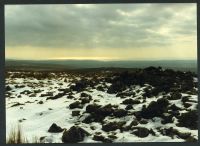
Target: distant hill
[{"x": 183, "y": 65}]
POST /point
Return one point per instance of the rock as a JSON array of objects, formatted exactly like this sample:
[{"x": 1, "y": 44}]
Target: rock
[
  {"x": 70, "y": 97},
  {"x": 92, "y": 108},
  {"x": 75, "y": 104},
  {"x": 85, "y": 100},
  {"x": 116, "y": 87},
  {"x": 191, "y": 139},
  {"x": 173, "y": 107},
  {"x": 79, "y": 86},
  {"x": 17, "y": 104},
  {"x": 143, "y": 121},
  {"x": 32, "y": 95},
  {"x": 112, "y": 126},
  {"x": 186, "y": 104},
  {"x": 93, "y": 118},
  {"x": 85, "y": 95},
  {"x": 112, "y": 136},
  {"x": 55, "y": 128},
  {"x": 120, "y": 113},
  {"x": 134, "y": 123},
  {"x": 167, "y": 118},
  {"x": 189, "y": 120},
  {"x": 130, "y": 101},
  {"x": 101, "y": 138},
  {"x": 8, "y": 88},
  {"x": 74, "y": 134},
  {"x": 40, "y": 102},
  {"x": 125, "y": 94},
  {"x": 75, "y": 113},
  {"x": 141, "y": 131},
  {"x": 129, "y": 106},
  {"x": 155, "y": 109},
  {"x": 106, "y": 110},
  {"x": 100, "y": 88},
  {"x": 185, "y": 98},
  {"x": 175, "y": 96},
  {"x": 92, "y": 127},
  {"x": 171, "y": 132},
  {"x": 47, "y": 94},
  {"x": 98, "y": 138}
]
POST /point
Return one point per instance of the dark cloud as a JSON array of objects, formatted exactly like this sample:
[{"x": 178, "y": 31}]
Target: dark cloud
[{"x": 98, "y": 26}]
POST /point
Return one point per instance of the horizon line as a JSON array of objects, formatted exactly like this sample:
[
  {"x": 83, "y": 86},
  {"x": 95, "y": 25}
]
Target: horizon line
[{"x": 103, "y": 60}]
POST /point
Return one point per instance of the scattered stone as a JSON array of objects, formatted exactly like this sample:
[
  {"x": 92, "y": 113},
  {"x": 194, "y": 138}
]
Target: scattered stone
[
  {"x": 40, "y": 102},
  {"x": 130, "y": 101},
  {"x": 155, "y": 109},
  {"x": 129, "y": 107},
  {"x": 140, "y": 131},
  {"x": 74, "y": 134},
  {"x": 75, "y": 113},
  {"x": 189, "y": 120},
  {"x": 17, "y": 104},
  {"x": 75, "y": 104},
  {"x": 120, "y": 113},
  {"x": 186, "y": 104},
  {"x": 143, "y": 121},
  {"x": 101, "y": 138},
  {"x": 112, "y": 126},
  {"x": 175, "y": 96},
  {"x": 55, "y": 128}
]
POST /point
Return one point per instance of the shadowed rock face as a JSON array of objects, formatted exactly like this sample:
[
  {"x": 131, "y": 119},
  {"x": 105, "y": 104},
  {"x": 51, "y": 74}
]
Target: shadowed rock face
[
  {"x": 155, "y": 109},
  {"x": 141, "y": 132},
  {"x": 189, "y": 120},
  {"x": 74, "y": 134},
  {"x": 55, "y": 128},
  {"x": 163, "y": 80}
]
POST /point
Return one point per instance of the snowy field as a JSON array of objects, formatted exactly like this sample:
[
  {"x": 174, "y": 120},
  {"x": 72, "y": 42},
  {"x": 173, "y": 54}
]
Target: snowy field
[{"x": 96, "y": 111}]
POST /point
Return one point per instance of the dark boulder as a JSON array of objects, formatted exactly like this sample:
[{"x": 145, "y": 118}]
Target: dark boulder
[
  {"x": 112, "y": 126},
  {"x": 185, "y": 99},
  {"x": 189, "y": 120},
  {"x": 140, "y": 131},
  {"x": 93, "y": 118},
  {"x": 173, "y": 107},
  {"x": 154, "y": 109},
  {"x": 74, "y": 134},
  {"x": 79, "y": 86},
  {"x": 8, "y": 88},
  {"x": 143, "y": 121},
  {"x": 175, "y": 96},
  {"x": 85, "y": 95},
  {"x": 167, "y": 118},
  {"x": 75, "y": 104},
  {"x": 171, "y": 132},
  {"x": 75, "y": 113},
  {"x": 120, "y": 113},
  {"x": 116, "y": 87},
  {"x": 129, "y": 107},
  {"x": 70, "y": 97},
  {"x": 102, "y": 138},
  {"x": 40, "y": 102},
  {"x": 92, "y": 108},
  {"x": 130, "y": 101},
  {"x": 55, "y": 128}
]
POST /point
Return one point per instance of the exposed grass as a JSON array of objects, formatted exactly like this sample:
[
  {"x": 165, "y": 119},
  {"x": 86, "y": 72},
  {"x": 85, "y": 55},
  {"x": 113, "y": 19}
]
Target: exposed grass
[{"x": 16, "y": 137}]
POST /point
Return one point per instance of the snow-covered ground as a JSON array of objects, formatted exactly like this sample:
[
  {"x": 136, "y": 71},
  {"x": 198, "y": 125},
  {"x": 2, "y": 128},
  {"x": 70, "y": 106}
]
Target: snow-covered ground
[{"x": 36, "y": 114}]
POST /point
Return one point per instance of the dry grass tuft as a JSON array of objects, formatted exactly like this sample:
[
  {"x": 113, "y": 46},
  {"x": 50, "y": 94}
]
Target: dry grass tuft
[{"x": 16, "y": 137}]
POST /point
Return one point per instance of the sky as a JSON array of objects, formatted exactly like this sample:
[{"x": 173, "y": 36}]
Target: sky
[{"x": 101, "y": 31}]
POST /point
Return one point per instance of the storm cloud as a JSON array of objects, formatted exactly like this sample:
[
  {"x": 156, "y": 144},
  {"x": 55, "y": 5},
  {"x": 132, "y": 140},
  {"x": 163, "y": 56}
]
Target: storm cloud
[{"x": 101, "y": 26}]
